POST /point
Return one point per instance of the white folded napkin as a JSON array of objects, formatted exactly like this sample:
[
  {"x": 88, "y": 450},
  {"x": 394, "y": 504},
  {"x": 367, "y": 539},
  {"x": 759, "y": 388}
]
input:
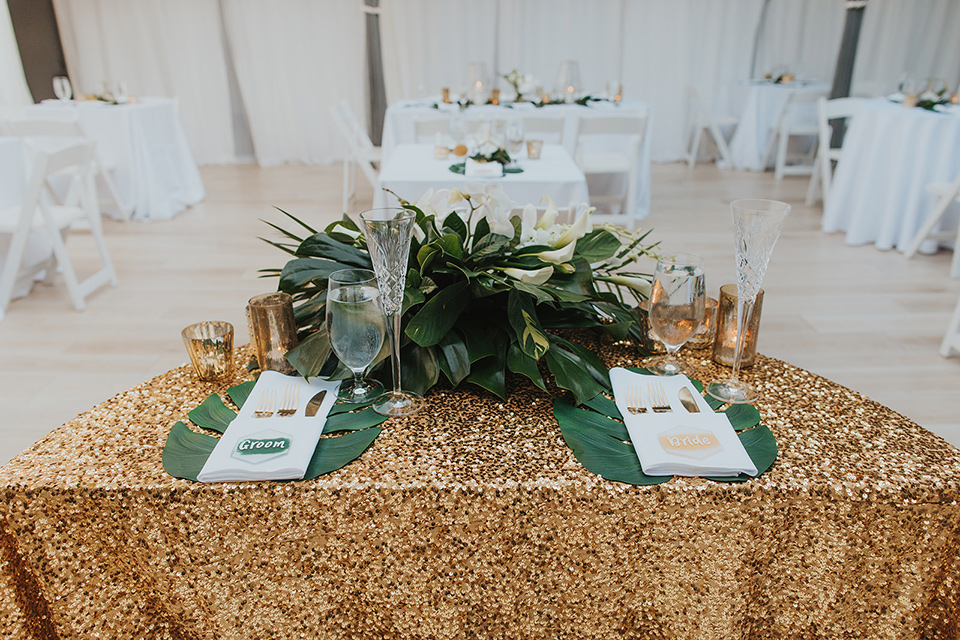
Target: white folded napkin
[
  {"x": 274, "y": 448},
  {"x": 679, "y": 443},
  {"x": 474, "y": 169}
]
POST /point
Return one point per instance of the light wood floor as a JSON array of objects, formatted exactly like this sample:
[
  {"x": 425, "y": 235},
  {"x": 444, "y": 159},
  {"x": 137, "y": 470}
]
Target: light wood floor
[{"x": 868, "y": 319}]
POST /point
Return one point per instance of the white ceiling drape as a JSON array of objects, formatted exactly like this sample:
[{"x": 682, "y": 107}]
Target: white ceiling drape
[
  {"x": 13, "y": 85},
  {"x": 170, "y": 48}
]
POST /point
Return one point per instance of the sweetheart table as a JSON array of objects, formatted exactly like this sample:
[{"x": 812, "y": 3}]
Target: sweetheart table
[{"x": 473, "y": 518}]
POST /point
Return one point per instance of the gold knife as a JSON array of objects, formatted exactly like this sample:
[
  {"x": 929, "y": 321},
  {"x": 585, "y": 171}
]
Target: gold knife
[
  {"x": 686, "y": 399},
  {"x": 314, "y": 405}
]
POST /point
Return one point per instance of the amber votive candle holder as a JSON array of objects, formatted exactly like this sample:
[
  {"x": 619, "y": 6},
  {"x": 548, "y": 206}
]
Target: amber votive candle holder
[
  {"x": 210, "y": 347},
  {"x": 725, "y": 341},
  {"x": 495, "y": 96},
  {"x": 274, "y": 330},
  {"x": 534, "y": 147},
  {"x": 446, "y": 95},
  {"x": 649, "y": 341},
  {"x": 704, "y": 336}
]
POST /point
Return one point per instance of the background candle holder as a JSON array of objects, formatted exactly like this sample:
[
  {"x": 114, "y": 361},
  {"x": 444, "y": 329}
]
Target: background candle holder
[
  {"x": 210, "y": 346},
  {"x": 725, "y": 342},
  {"x": 649, "y": 341},
  {"x": 274, "y": 330}
]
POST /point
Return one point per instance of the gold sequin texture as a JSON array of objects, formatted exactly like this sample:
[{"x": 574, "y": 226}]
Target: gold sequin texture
[{"x": 473, "y": 519}]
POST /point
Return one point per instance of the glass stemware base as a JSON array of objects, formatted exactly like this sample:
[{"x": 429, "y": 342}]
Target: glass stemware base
[
  {"x": 733, "y": 391},
  {"x": 360, "y": 390},
  {"x": 665, "y": 366},
  {"x": 398, "y": 403}
]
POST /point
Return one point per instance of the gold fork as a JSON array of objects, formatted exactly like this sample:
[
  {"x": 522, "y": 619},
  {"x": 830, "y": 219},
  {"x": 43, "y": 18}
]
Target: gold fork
[
  {"x": 658, "y": 398},
  {"x": 289, "y": 401},
  {"x": 268, "y": 400},
  {"x": 635, "y": 401}
]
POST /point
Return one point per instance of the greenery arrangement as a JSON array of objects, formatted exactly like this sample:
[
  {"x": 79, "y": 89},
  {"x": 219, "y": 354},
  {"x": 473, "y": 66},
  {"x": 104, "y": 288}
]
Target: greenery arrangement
[
  {"x": 488, "y": 291},
  {"x": 489, "y": 152}
]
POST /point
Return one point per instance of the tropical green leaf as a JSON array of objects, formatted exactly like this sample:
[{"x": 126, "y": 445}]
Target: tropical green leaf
[
  {"x": 300, "y": 272},
  {"x": 310, "y": 354},
  {"x": 241, "y": 392},
  {"x": 523, "y": 318},
  {"x": 456, "y": 224},
  {"x": 590, "y": 362},
  {"x": 419, "y": 369},
  {"x": 481, "y": 337},
  {"x": 426, "y": 255},
  {"x": 438, "y": 314},
  {"x": 540, "y": 293},
  {"x": 489, "y": 373},
  {"x": 481, "y": 230},
  {"x": 212, "y": 414},
  {"x": 596, "y": 449},
  {"x": 568, "y": 370},
  {"x": 604, "y": 405},
  {"x": 597, "y": 246},
  {"x": 492, "y": 244},
  {"x": 742, "y": 416},
  {"x": 519, "y": 362},
  {"x": 453, "y": 357},
  {"x": 320, "y": 245},
  {"x": 352, "y": 421},
  {"x": 185, "y": 452},
  {"x": 450, "y": 243},
  {"x": 334, "y": 453}
]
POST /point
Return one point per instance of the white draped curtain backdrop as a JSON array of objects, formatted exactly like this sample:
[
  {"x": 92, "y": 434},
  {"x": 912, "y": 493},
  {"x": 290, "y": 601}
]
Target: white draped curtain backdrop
[{"x": 250, "y": 71}]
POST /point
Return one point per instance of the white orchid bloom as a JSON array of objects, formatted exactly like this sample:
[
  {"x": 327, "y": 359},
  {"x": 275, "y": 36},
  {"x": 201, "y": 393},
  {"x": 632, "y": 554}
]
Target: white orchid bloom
[
  {"x": 455, "y": 196},
  {"x": 434, "y": 202},
  {"x": 530, "y": 276},
  {"x": 558, "y": 256},
  {"x": 576, "y": 231},
  {"x": 528, "y": 83},
  {"x": 487, "y": 148},
  {"x": 497, "y": 207},
  {"x": 549, "y": 217}
]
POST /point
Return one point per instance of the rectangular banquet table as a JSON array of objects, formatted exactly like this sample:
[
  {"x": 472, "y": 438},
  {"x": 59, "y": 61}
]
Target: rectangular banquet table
[
  {"x": 412, "y": 169},
  {"x": 398, "y": 128},
  {"x": 473, "y": 518},
  {"x": 155, "y": 172}
]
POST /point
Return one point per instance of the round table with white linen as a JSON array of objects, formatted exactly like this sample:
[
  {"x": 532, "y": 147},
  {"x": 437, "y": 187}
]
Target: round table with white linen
[
  {"x": 759, "y": 104},
  {"x": 155, "y": 172},
  {"x": 398, "y": 128},
  {"x": 890, "y": 153}
]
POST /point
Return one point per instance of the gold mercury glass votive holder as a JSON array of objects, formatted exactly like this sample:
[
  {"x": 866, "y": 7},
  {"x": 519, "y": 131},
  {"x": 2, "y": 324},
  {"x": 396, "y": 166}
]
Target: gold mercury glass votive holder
[
  {"x": 725, "y": 342},
  {"x": 210, "y": 347},
  {"x": 534, "y": 147},
  {"x": 274, "y": 330},
  {"x": 705, "y": 333},
  {"x": 495, "y": 96},
  {"x": 446, "y": 95}
]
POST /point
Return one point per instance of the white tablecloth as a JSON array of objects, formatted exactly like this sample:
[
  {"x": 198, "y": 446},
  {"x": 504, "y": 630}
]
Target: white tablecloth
[
  {"x": 155, "y": 173},
  {"x": 759, "y": 105},
  {"x": 890, "y": 154},
  {"x": 398, "y": 128},
  {"x": 412, "y": 169}
]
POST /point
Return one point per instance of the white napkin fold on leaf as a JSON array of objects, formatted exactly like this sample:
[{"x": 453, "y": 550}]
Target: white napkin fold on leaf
[
  {"x": 474, "y": 169},
  {"x": 274, "y": 448},
  {"x": 677, "y": 442}
]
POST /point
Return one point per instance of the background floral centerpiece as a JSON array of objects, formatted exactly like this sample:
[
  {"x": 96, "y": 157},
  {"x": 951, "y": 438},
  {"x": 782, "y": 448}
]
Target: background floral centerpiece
[
  {"x": 488, "y": 291},
  {"x": 521, "y": 84}
]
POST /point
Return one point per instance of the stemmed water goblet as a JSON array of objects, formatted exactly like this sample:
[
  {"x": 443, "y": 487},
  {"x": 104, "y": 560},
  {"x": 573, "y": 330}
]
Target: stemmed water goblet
[
  {"x": 756, "y": 225},
  {"x": 514, "y": 136},
  {"x": 388, "y": 233},
  {"x": 677, "y": 303},
  {"x": 356, "y": 328}
]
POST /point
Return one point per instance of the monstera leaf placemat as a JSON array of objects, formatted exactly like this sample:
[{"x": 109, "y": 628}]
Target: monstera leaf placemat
[
  {"x": 600, "y": 441},
  {"x": 350, "y": 429}
]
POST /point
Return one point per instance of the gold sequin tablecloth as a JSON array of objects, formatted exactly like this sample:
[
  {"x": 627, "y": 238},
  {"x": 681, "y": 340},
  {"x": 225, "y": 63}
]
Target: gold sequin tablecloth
[{"x": 472, "y": 519}]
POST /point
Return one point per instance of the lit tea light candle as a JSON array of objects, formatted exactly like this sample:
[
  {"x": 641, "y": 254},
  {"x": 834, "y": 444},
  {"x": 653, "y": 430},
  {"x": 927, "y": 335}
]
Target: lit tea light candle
[{"x": 725, "y": 344}]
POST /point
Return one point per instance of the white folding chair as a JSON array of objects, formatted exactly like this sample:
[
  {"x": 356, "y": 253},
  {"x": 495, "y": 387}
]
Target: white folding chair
[
  {"x": 827, "y": 155},
  {"x": 37, "y": 213},
  {"x": 701, "y": 119},
  {"x": 546, "y": 128},
  {"x": 426, "y": 129},
  {"x": 951, "y": 339},
  {"x": 360, "y": 150},
  {"x": 103, "y": 168},
  {"x": 949, "y": 193},
  {"x": 797, "y": 118},
  {"x": 629, "y": 130}
]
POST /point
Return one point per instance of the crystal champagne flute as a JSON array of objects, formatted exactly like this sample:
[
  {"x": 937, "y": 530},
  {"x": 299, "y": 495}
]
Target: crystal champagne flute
[
  {"x": 388, "y": 232},
  {"x": 677, "y": 302},
  {"x": 756, "y": 225},
  {"x": 356, "y": 327}
]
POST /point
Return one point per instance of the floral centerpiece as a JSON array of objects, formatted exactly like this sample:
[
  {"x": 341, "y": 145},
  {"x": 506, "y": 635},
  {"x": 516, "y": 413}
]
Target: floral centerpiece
[
  {"x": 521, "y": 84},
  {"x": 488, "y": 292}
]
